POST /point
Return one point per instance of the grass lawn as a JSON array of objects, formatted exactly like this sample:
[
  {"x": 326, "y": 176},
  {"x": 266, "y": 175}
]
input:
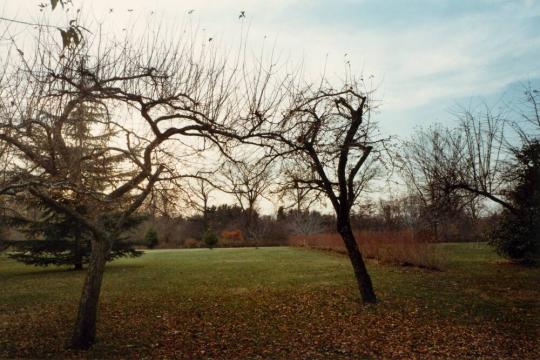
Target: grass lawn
[{"x": 278, "y": 303}]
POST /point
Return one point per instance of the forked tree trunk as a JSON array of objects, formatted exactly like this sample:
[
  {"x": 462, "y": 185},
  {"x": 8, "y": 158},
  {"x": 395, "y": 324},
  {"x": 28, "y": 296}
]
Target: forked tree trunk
[
  {"x": 360, "y": 271},
  {"x": 84, "y": 332}
]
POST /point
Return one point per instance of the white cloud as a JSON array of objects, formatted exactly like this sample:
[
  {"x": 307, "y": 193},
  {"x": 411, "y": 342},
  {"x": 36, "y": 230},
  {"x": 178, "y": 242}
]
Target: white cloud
[{"x": 447, "y": 57}]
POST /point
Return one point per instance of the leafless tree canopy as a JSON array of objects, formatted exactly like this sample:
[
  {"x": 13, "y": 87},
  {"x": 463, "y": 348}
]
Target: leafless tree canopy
[
  {"x": 325, "y": 138},
  {"x": 104, "y": 122},
  {"x": 527, "y": 125},
  {"x": 248, "y": 181},
  {"x": 328, "y": 135},
  {"x": 461, "y": 163}
]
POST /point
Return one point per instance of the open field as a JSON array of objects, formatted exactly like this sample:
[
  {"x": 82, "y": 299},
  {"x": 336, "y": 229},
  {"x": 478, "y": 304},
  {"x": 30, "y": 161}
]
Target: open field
[{"x": 278, "y": 303}]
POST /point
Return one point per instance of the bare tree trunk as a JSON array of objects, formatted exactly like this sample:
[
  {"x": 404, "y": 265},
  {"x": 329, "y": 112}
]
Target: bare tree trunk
[
  {"x": 205, "y": 220},
  {"x": 78, "y": 263},
  {"x": 249, "y": 224},
  {"x": 362, "y": 276},
  {"x": 78, "y": 251},
  {"x": 84, "y": 332}
]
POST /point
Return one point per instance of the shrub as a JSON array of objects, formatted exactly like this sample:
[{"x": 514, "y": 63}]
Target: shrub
[
  {"x": 57, "y": 240},
  {"x": 151, "y": 238},
  {"x": 387, "y": 247},
  {"x": 210, "y": 239},
  {"x": 192, "y": 243},
  {"x": 516, "y": 238},
  {"x": 517, "y": 235}
]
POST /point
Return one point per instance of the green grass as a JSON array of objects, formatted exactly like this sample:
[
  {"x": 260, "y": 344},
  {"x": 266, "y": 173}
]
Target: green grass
[{"x": 278, "y": 303}]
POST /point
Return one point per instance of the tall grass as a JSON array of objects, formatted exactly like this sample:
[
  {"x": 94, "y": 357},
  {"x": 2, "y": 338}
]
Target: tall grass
[{"x": 402, "y": 247}]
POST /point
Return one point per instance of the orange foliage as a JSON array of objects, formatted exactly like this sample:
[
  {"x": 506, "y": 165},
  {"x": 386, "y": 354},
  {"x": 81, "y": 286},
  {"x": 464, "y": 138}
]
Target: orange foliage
[{"x": 232, "y": 235}]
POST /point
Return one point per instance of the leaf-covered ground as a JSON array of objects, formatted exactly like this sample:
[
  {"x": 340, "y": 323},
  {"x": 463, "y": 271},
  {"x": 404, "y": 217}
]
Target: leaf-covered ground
[{"x": 278, "y": 303}]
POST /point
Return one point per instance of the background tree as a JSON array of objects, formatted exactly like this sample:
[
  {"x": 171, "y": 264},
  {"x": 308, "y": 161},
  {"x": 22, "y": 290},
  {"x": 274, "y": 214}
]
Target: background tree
[
  {"x": 328, "y": 135},
  {"x": 210, "y": 239},
  {"x": 296, "y": 196},
  {"x": 5, "y": 159},
  {"x": 465, "y": 162},
  {"x": 483, "y": 156},
  {"x": 433, "y": 164},
  {"x": 199, "y": 195},
  {"x": 248, "y": 181},
  {"x": 151, "y": 238},
  {"x": 63, "y": 241},
  {"x": 479, "y": 160},
  {"x": 305, "y": 223},
  {"x": 517, "y": 234},
  {"x": 527, "y": 124}
]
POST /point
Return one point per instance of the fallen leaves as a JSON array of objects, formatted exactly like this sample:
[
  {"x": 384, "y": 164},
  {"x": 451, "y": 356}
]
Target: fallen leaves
[
  {"x": 422, "y": 315},
  {"x": 304, "y": 324}
]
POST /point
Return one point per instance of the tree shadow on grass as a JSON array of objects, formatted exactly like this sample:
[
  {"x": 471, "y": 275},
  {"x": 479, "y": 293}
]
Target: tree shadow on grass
[{"x": 110, "y": 269}]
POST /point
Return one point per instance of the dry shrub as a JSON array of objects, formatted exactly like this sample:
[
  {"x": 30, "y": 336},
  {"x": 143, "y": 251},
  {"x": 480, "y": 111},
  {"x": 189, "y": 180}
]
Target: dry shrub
[
  {"x": 402, "y": 247},
  {"x": 192, "y": 243},
  {"x": 228, "y": 242}
]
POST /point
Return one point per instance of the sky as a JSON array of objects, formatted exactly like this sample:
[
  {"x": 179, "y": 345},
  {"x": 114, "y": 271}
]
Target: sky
[{"x": 425, "y": 57}]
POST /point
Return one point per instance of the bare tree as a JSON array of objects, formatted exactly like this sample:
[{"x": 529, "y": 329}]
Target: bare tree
[
  {"x": 484, "y": 156},
  {"x": 328, "y": 135},
  {"x": 150, "y": 94},
  {"x": 305, "y": 222},
  {"x": 248, "y": 181},
  {"x": 429, "y": 162},
  {"x": 527, "y": 126},
  {"x": 299, "y": 197},
  {"x": 199, "y": 193},
  {"x": 459, "y": 165}
]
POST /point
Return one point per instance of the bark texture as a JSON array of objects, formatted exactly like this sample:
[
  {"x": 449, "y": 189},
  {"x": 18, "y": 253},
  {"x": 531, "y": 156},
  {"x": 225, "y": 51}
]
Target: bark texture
[
  {"x": 84, "y": 333},
  {"x": 360, "y": 271}
]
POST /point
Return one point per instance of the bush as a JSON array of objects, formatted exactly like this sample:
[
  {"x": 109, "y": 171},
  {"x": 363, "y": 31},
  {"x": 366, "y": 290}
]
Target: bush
[
  {"x": 210, "y": 239},
  {"x": 192, "y": 243},
  {"x": 388, "y": 247},
  {"x": 63, "y": 252},
  {"x": 151, "y": 238},
  {"x": 516, "y": 238},
  {"x": 517, "y": 235}
]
